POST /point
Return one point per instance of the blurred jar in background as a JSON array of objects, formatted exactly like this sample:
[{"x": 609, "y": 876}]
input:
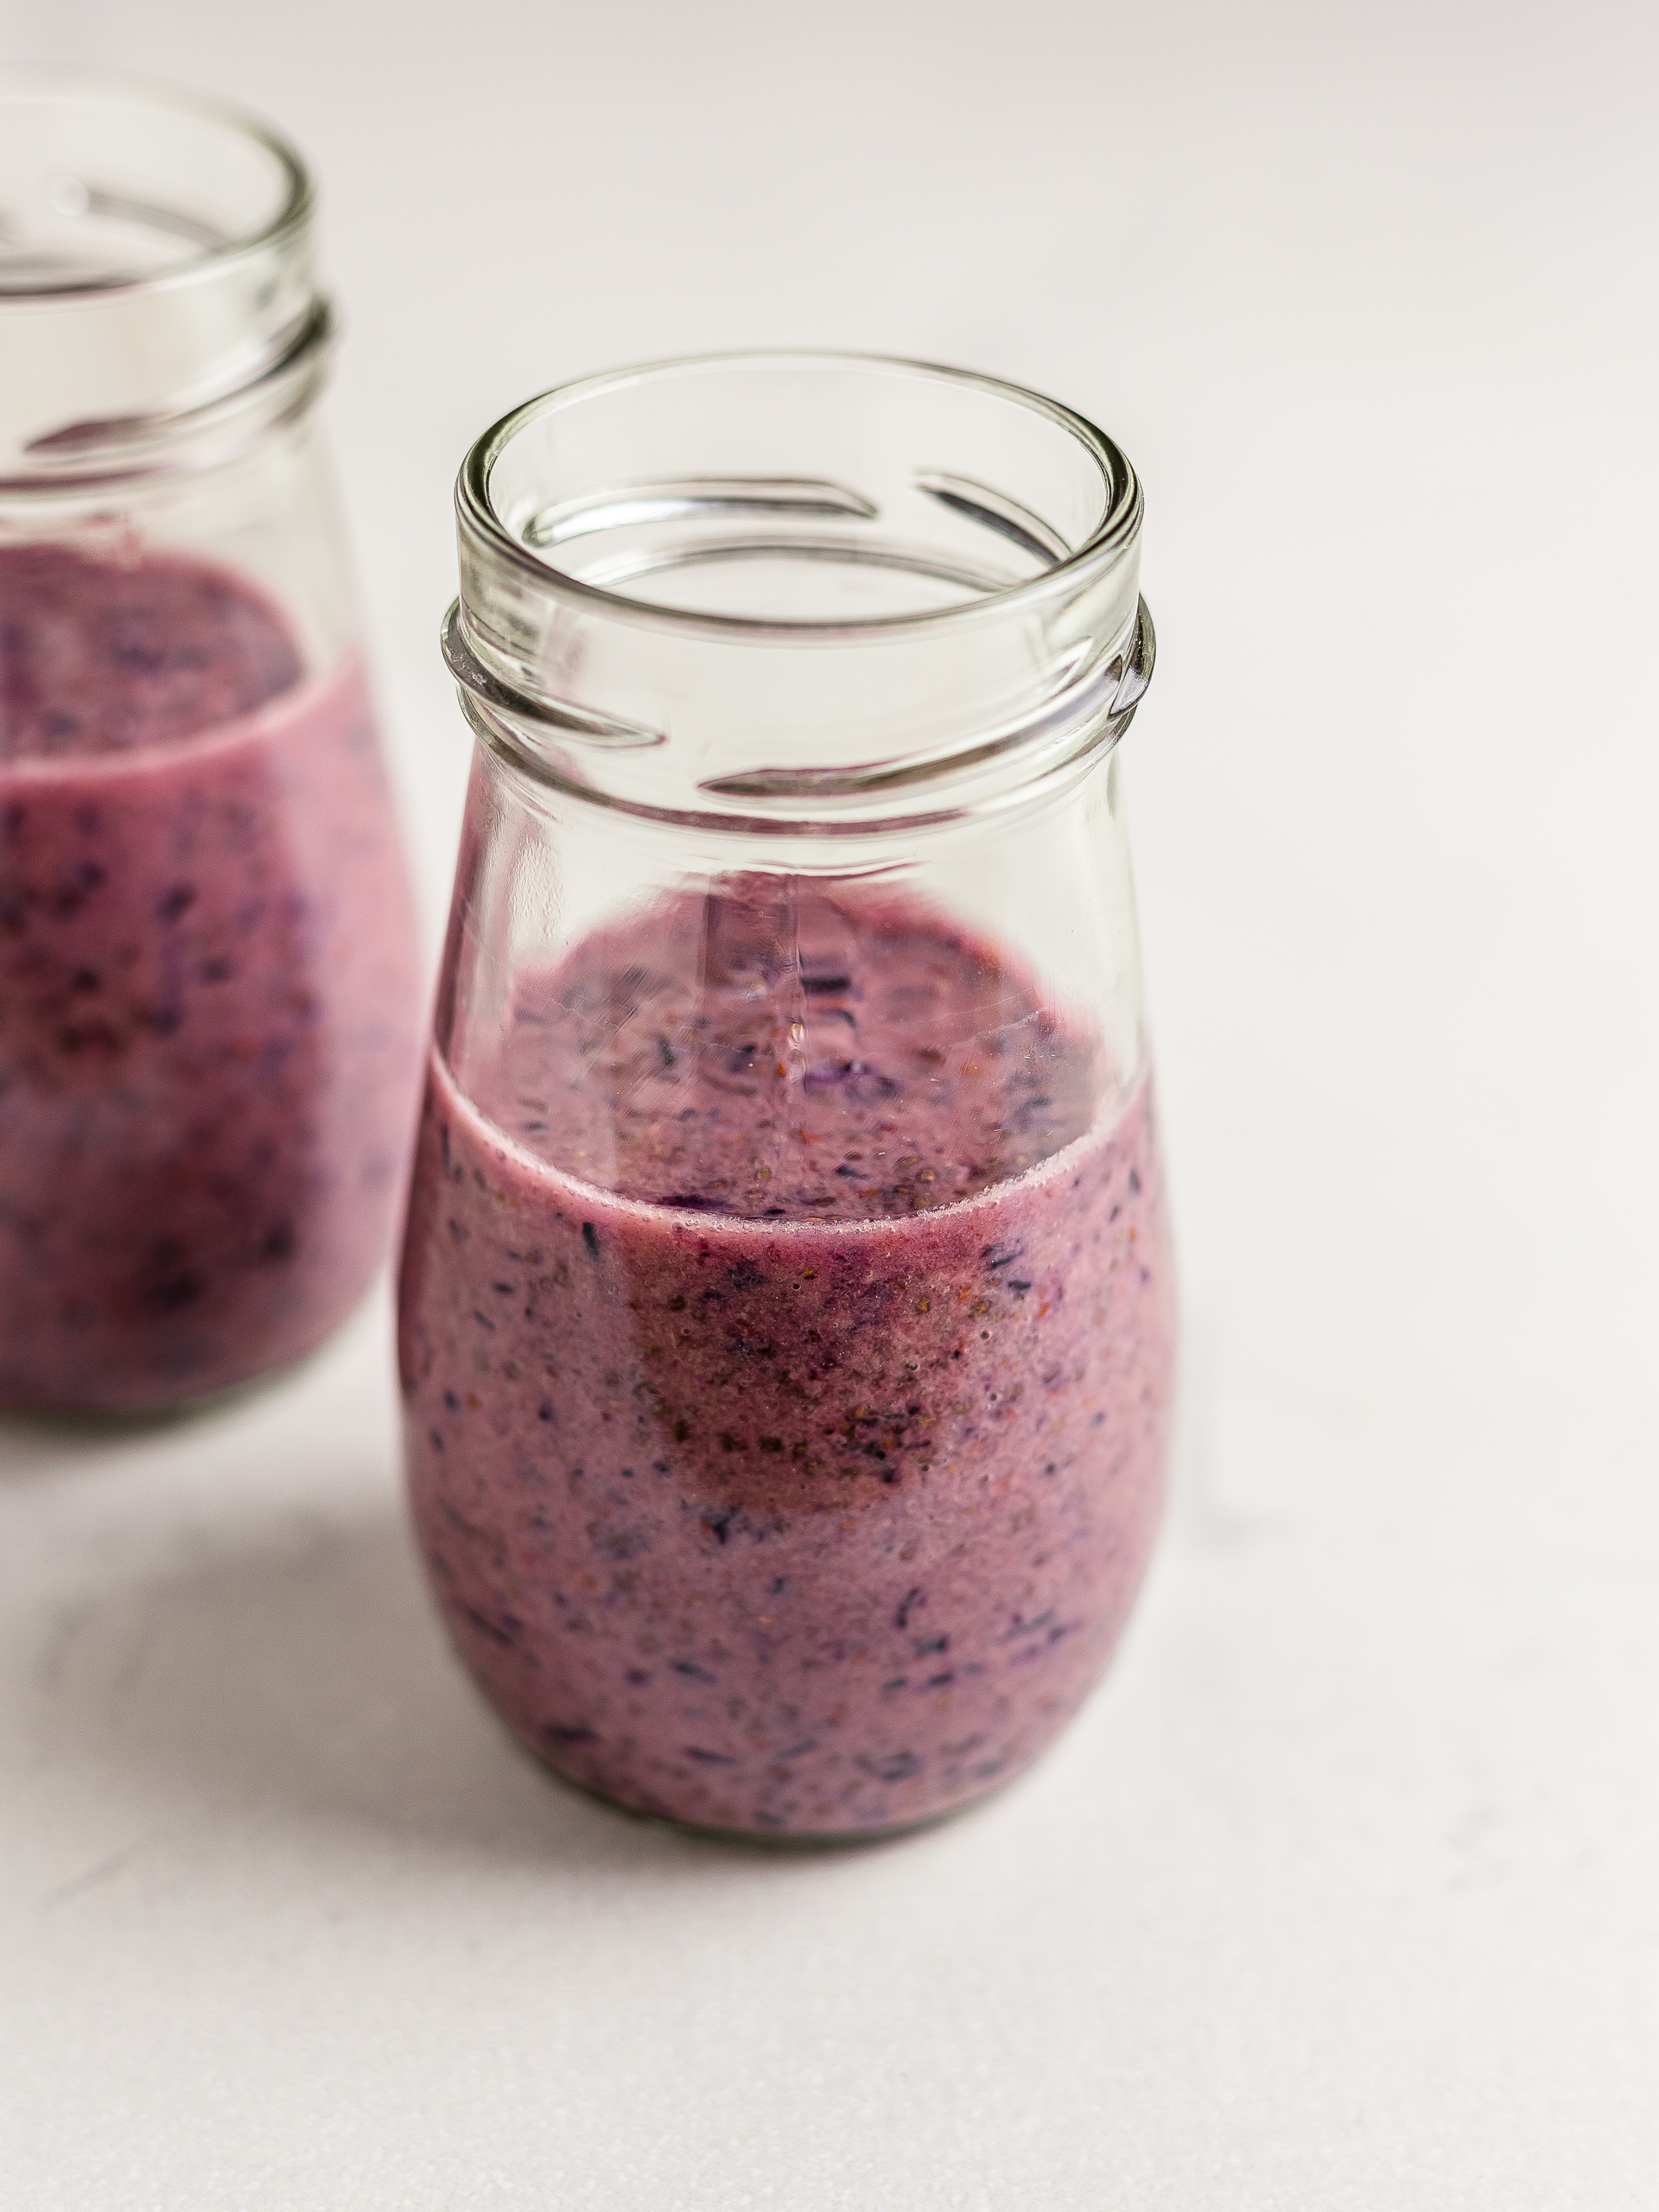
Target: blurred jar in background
[
  {"x": 209, "y": 987},
  {"x": 787, "y": 1316}
]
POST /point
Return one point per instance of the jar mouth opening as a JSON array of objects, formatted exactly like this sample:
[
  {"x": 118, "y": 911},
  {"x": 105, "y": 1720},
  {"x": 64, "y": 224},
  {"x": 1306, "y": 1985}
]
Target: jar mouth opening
[
  {"x": 647, "y": 496},
  {"x": 94, "y": 202}
]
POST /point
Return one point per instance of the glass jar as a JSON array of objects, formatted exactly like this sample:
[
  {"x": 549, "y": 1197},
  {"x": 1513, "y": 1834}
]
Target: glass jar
[
  {"x": 210, "y": 1007},
  {"x": 786, "y": 1313}
]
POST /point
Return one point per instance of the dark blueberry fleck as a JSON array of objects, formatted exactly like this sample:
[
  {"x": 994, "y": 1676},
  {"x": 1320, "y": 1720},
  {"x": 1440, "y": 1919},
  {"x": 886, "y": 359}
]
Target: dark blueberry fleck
[
  {"x": 576, "y": 1735},
  {"x": 452, "y": 1401},
  {"x": 172, "y": 903},
  {"x": 545, "y": 1411},
  {"x": 690, "y": 1669},
  {"x": 865, "y": 1086},
  {"x": 618, "y": 1544},
  {"x": 171, "y": 1293},
  {"x": 709, "y": 1758},
  {"x": 719, "y": 1524},
  {"x": 493, "y": 1630},
  {"x": 1134, "y": 1181},
  {"x": 899, "y": 1766},
  {"x": 590, "y": 1237},
  {"x": 745, "y": 1275},
  {"x": 910, "y": 1600}
]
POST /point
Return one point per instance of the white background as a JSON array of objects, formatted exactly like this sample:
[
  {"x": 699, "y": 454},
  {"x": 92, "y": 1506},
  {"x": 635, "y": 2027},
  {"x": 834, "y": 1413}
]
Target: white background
[{"x": 1344, "y": 1893}]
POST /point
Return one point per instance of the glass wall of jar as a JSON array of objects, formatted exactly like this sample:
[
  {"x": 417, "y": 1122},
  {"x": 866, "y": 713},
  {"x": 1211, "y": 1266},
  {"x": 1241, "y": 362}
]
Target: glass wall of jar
[
  {"x": 209, "y": 1001},
  {"x": 787, "y": 1314}
]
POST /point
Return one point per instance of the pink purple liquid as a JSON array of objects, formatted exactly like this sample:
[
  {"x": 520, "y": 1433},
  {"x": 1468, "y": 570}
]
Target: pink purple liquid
[
  {"x": 787, "y": 1458},
  {"x": 209, "y": 1006}
]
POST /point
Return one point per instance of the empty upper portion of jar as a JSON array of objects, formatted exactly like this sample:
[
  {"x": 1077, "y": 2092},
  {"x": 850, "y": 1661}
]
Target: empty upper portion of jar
[
  {"x": 157, "y": 294},
  {"x": 802, "y": 591}
]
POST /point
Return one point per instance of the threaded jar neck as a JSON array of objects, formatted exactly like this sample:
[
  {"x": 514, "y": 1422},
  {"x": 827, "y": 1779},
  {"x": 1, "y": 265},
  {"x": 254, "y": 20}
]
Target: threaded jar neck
[
  {"x": 798, "y": 593},
  {"x": 159, "y": 304}
]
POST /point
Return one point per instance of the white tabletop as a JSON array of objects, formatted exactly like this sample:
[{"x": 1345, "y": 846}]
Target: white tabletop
[{"x": 1344, "y": 1892}]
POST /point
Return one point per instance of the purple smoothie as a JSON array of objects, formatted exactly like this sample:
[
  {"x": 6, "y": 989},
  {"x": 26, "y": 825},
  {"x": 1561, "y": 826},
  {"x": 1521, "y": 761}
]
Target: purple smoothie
[
  {"x": 209, "y": 1001},
  {"x": 787, "y": 1458}
]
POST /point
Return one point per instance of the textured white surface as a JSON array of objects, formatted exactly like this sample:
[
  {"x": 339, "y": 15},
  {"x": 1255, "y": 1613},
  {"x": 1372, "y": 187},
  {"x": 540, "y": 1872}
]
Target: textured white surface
[{"x": 1344, "y": 1892}]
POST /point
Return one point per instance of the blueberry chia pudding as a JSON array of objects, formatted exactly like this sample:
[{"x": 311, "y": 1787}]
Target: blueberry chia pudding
[
  {"x": 786, "y": 1338},
  {"x": 209, "y": 1001}
]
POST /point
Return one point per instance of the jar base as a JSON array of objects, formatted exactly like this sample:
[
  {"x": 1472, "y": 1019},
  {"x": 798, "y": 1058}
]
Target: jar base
[
  {"x": 92, "y": 1423},
  {"x": 765, "y": 1842}
]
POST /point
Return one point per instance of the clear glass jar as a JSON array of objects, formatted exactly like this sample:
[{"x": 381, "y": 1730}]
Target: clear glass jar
[
  {"x": 210, "y": 1006},
  {"x": 787, "y": 1314}
]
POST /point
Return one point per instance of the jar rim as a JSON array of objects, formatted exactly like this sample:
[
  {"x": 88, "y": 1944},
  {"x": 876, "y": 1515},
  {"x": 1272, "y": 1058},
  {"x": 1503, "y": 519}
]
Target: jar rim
[
  {"x": 159, "y": 96},
  {"x": 1113, "y": 534}
]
